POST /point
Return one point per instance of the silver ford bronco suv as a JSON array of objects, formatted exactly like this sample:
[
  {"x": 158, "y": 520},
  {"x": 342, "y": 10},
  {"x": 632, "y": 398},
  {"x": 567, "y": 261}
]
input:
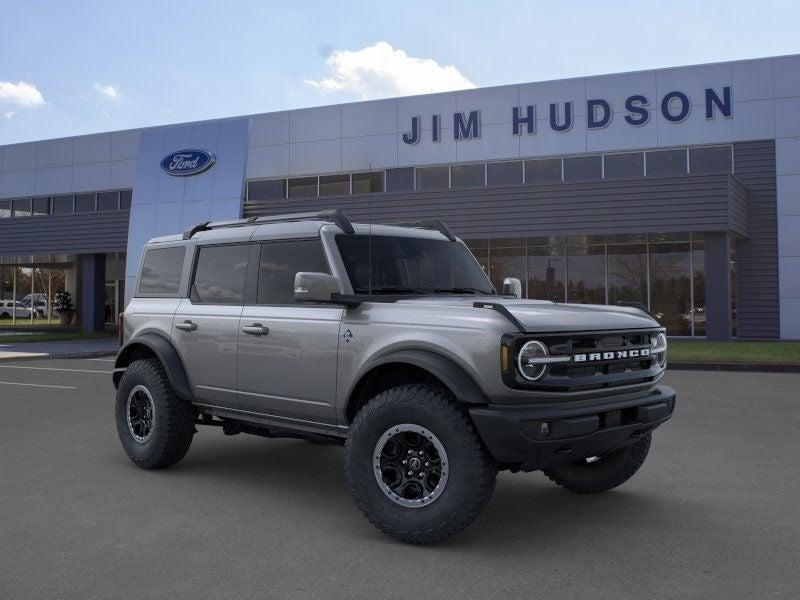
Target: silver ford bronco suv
[{"x": 391, "y": 341}]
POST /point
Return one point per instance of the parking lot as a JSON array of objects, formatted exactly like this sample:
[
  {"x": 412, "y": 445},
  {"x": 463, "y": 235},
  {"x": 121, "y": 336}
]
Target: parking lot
[{"x": 714, "y": 512}]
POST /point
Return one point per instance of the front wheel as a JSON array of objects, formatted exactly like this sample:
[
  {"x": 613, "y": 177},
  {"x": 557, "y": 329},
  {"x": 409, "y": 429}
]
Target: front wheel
[
  {"x": 415, "y": 465},
  {"x": 601, "y": 473},
  {"x": 154, "y": 425}
]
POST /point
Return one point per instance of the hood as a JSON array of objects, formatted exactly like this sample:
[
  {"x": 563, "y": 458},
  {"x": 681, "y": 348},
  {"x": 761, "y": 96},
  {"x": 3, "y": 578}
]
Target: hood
[{"x": 542, "y": 316}]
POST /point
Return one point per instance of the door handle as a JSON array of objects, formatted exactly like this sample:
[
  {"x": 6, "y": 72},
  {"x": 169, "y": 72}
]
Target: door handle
[
  {"x": 186, "y": 326},
  {"x": 255, "y": 329}
]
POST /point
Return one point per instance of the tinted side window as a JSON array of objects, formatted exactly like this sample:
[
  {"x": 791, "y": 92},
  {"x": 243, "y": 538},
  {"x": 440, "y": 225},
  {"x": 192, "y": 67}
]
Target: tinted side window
[
  {"x": 161, "y": 271},
  {"x": 281, "y": 261},
  {"x": 220, "y": 274}
]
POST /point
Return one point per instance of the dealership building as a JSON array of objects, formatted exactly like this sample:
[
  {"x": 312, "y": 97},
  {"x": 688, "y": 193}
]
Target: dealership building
[{"x": 677, "y": 188}]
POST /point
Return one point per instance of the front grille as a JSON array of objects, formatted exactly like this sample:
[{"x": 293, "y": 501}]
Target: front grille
[{"x": 606, "y": 360}]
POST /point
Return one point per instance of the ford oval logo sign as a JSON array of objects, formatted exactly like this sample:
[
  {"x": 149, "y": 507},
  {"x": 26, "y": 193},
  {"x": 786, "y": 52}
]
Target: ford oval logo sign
[{"x": 187, "y": 162}]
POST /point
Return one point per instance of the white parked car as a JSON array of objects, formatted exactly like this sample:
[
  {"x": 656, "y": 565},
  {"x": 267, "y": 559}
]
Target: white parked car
[{"x": 11, "y": 308}]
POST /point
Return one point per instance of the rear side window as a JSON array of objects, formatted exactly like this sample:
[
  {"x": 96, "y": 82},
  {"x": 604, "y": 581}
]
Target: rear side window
[
  {"x": 220, "y": 274},
  {"x": 161, "y": 270},
  {"x": 281, "y": 261}
]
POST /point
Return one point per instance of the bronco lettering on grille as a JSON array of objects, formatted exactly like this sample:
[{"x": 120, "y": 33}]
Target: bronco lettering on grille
[{"x": 616, "y": 355}]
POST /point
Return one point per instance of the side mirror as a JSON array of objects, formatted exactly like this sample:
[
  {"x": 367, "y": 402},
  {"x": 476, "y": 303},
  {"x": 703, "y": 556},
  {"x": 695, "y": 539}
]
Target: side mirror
[
  {"x": 512, "y": 287},
  {"x": 315, "y": 287}
]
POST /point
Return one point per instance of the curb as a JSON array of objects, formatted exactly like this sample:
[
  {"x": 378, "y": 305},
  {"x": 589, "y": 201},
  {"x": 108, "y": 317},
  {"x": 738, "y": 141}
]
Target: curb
[
  {"x": 727, "y": 366},
  {"x": 58, "y": 355}
]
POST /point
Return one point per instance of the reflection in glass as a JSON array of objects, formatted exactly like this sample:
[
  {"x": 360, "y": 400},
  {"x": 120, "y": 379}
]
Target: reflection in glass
[
  {"x": 670, "y": 299},
  {"x": 627, "y": 273},
  {"x": 508, "y": 260},
  {"x": 699, "y": 285},
  {"x": 303, "y": 187},
  {"x": 468, "y": 175},
  {"x": 546, "y": 269},
  {"x": 369, "y": 182},
  {"x": 433, "y": 178},
  {"x": 334, "y": 185},
  {"x": 504, "y": 173},
  {"x": 586, "y": 273}
]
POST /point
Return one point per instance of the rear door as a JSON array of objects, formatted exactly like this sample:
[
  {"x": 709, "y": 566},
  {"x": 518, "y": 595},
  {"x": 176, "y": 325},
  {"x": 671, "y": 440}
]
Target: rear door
[
  {"x": 288, "y": 351},
  {"x": 206, "y": 324}
]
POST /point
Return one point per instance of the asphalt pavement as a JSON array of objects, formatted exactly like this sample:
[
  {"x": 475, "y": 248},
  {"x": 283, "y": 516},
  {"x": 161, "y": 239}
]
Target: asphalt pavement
[{"x": 714, "y": 512}]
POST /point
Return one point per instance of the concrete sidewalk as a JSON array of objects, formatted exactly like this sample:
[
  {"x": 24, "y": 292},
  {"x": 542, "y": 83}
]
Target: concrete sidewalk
[{"x": 65, "y": 349}]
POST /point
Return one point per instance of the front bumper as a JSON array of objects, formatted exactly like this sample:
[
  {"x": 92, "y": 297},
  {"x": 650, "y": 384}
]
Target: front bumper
[{"x": 537, "y": 437}]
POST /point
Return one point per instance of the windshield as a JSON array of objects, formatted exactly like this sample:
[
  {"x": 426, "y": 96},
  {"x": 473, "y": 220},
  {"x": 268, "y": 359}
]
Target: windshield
[{"x": 411, "y": 265}]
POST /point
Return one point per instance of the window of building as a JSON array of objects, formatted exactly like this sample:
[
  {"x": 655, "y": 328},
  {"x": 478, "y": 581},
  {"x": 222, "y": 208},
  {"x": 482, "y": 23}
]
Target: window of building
[
  {"x": 5, "y": 209},
  {"x": 369, "y": 182},
  {"x": 507, "y": 259},
  {"x": 84, "y": 203},
  {"x": 400, "y": 180},
  {"x": 108, "y": 201},
  {"x": 220, "y": 274},
  {"x": 666, "y": 162},
  {"x": 433, "y": 178},
  {"x": 270, "y": 189},
  {"x": 334, "y": 185},
  {"x": 699, "y": 284},
  {"x": 468, "y": 175},
  {"x": 586, "y": 272},
  {"x": 711, "y": 159},
  {"x": 125, "y": 199},
  {"x": 41, "y": 206},
  {"x": 303, "y": 187},
  {"x": 161, "y": 271},
  {"x": 480, "y": 250},
  {"x": 627, "y": 273},
  {"x": 580, "y": 168},
  {"x": 280, "y": 262},
  {"x": 629, "y": 164},
  {"x": 22, "y": 207},
  {"x": 62, "y": 205},
  {"x": 547, "y": 170},
  {"x": 504, "y": 173},
  {"x": 670, "y": 286},
  {"x": 546, "y": 265}
]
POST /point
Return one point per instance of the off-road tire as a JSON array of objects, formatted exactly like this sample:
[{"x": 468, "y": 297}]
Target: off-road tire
[
  {"x": 472, "y": 471},
  {"x": 610, "y": 471},
  {"x": 173, "y": 421}
]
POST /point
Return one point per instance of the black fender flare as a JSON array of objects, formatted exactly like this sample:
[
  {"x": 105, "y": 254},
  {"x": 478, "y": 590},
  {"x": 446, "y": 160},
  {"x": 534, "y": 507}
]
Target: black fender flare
[
  {"x": 453, "y": 376},
  {"x": 165, "y": 352}
]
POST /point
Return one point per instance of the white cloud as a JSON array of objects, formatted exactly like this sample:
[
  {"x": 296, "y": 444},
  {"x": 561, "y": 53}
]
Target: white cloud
[
  {"x": 10, "y": 114},
  {"x": 380, "y": 71},
  {"x": 109, "y": 91},
  {"x": 20, "y": 93}
]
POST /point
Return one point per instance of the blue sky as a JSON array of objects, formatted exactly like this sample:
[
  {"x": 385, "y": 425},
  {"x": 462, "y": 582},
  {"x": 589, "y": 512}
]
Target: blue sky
[{"x": 69, "y": 68}]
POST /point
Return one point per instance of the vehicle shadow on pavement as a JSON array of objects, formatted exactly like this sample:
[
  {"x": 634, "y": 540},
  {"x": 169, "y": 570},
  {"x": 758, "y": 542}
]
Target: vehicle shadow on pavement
[{"x": 526, "y": 510}]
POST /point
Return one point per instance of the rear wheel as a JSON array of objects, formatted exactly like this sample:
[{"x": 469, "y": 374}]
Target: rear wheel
[
  {"x": 415, "y": 465},
  {"x": 154, "y": 425},
  {"x": 601, "y": 473}
]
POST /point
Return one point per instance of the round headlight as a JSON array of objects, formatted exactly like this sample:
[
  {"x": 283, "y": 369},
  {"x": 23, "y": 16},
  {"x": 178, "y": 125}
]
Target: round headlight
[
  {"x": 528, "y": 360},
  {"x": 660, "y": 346}
]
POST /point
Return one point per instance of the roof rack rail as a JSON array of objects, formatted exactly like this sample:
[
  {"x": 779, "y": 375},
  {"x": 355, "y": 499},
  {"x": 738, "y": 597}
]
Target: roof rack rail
[
  {"x": 335, "y": 216},
  {"x": 430, "y": 224}
]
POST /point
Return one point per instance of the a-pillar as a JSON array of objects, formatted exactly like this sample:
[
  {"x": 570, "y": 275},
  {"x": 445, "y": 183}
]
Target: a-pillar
[{"x": 93, "y": 291}]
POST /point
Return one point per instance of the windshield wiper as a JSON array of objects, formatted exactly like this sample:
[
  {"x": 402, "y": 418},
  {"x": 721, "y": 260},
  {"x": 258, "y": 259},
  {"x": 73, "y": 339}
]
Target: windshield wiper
[
  {"x": 390, "y": 289},
  {"x": 463, "y": 290}
]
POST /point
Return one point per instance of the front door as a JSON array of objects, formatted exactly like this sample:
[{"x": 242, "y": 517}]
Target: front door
[
  {"x": 288, "y": 351},
  {"x": 206, "y": 325}
]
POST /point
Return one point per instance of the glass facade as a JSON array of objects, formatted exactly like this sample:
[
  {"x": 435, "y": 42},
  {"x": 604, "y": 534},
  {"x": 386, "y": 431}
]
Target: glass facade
[
  {"x": 664, "y": 272},
  {"x": 585, "y": 167}
]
